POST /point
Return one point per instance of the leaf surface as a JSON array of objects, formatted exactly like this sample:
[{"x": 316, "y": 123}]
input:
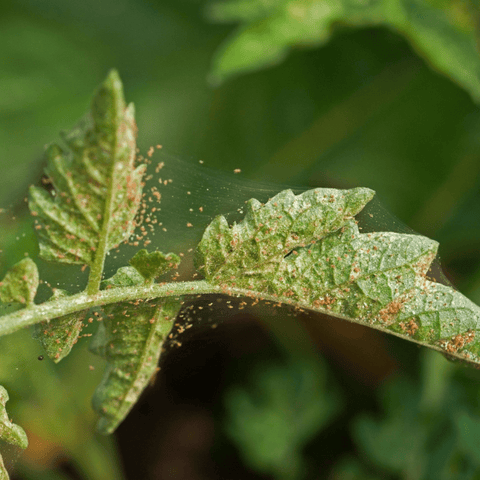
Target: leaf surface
[
  {"x": 20, "y": 283},
  {"x": 258, "y": 244},
  {"x": 154, "y": 264},
  {"x": 95, "y": 197},
  {"x": 319, "y": 259},
  {"x": 60, "y": 334},
  {"x": 10, "y": 432},
  {"x": 124, "y": 277},
  {"x": 130, "y": 338},
  {"x": 97, "y": 188}
]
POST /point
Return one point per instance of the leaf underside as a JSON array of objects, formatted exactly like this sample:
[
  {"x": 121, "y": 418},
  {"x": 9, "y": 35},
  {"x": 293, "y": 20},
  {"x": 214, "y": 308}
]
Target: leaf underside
[
  {"x": 95, "y": 197},
  {"x": 97, "y": 189},
  {"x": 60, "y": 334},
  {"x": 308, "y": 250},
  {"x": 154, "y": 264},
  {"x": 20, "y": 283},
  {"x": 130, "y": 338}
]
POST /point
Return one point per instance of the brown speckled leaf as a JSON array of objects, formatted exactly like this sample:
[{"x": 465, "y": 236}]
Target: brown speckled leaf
[
  {"x": 311, "y": 253},
  {"x": 97, "y": 188}
]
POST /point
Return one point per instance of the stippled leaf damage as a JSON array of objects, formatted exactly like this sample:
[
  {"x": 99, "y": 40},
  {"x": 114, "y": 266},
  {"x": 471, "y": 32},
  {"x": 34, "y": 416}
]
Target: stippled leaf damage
[{"x": 307, "y": 250}]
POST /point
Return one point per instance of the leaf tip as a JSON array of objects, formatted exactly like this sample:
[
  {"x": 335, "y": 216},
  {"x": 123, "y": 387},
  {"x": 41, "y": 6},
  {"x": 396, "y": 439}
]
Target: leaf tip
[
  {"x": 108, "y": 102},
  {"x": 357, "y": 199},
  {"x": 113, "y": 80}
]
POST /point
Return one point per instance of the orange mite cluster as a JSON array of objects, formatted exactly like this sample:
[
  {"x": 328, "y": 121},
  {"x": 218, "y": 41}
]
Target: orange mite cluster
[
  {"x": 457, "y": 342},
  {"x": 145, "y": 215}
]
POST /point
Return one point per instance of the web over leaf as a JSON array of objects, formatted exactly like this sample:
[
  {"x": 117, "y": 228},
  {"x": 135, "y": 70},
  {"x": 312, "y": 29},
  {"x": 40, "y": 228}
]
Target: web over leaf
[
  {"x": 256, "y": 247},
  {"x": 303, "y": 250},
  {"x": 60, "y": 334},
  {"x": 95, "y": 197},
  {"x": 307, "y": 250}
]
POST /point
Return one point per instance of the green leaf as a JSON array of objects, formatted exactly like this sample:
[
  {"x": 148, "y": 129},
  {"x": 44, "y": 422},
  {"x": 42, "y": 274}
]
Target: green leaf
[
  {"x": 97, "y": 189},
  {"x": 444, "y": 33},
  {"x": 3, "y": 470},
  {"x": 308, "y": 250},
  {"x": 420, "y": 435},
  {"x": 124, "y": 277},
  {"x": 397, "y": 442},
  {"x": 280, "y": 409},
  {"x": 131, "y": 341},
  {"x": 440, "y": 315},
  {"x": 256, "y": 247},
  {"x": 60, "y": 334},
  {"x": 356, "y": 275},
  {"x": 130, "y": 338},
  {"x": 154, "y": 264},
  {"x": 9, "y": 432},
  {"x": 20, "y": 283}
]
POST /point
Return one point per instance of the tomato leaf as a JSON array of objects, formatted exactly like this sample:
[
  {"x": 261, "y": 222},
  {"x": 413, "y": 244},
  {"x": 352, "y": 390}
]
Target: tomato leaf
[
  {"x": 20, "y": 283},
  {"x": 308, "y": 251},
  {"x": 60, "y": 334},
  {"x": 97, "y": 188},
  {"x": 130, "y": 338},
  {"x": 154, "y": 264}
]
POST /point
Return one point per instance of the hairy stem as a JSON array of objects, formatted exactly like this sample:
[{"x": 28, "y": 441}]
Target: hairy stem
[
  {"x": 47, "y": 311},
  {"x": 76, "y": 303}
]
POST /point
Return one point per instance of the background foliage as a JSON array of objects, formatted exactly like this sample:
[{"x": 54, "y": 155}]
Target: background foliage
[{"x": 354, "y": 99}]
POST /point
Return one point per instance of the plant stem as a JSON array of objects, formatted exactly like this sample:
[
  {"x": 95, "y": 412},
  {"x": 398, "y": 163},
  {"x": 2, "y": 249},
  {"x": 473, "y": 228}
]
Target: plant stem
[
  {"x": 49, "y": 310},
  {"x": 83, "y": 301}
]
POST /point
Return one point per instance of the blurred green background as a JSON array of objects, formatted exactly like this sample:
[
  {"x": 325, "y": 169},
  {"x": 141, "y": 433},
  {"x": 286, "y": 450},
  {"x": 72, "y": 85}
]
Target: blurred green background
[{"x": 382, "y": 94}]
